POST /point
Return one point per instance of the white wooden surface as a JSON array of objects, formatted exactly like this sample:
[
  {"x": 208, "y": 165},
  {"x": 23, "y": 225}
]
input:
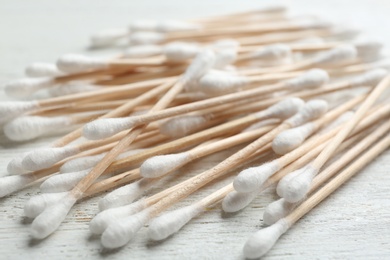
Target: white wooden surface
[{"x": 353, "y": 224}]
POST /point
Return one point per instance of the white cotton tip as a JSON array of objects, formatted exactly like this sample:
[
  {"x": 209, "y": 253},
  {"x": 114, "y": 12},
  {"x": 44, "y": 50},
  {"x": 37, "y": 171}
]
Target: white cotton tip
[
  {"x": 106, "y": 127},
  {"x": 276, "y": 211},
  {"x": 171, "y": 222},
  {"x": 15, "y": 167},
  {"x": 202, "y": 63},
  {"x": 73, "y": 63},
  {"x": 119, "y": 233},
  {"x": 108, "y": 37},
  {"x": 313, "y": 78},
  {"x": 225, "y": 57},
  {"x": 296, "y": 186},
  {"x": 181, "y": 51},
  {"x": 25, "y": 87},
  {"x": 46, "y": 157},
  {"x": 263, "y": 240},
  {"x": 30, "y": 127},
  {"x": 42, "y": 69},
  {"x": 292, "y": 138},
  {"x": 102, "y": 220},
  {"x": 370, "y": 78},
  {"x": 14, "y": 108},
  {"x": 37, "y": 204},
  {"x": 62, "y": 182},
  {"x": 236, "y": 201},
  {"x": 142, "y": 38},
  {"x": 182, "y": 125},
  {"x": 125, "y": 194},
  {"x": 311, "y": 110},
  {"x": 337, "y": 55},
  {"x": 10, "y": 184},
  {"x": 367, "y": 47},
  {"x": 225, "y": 44},
  {"x": 283, "y": 109},
  {"x": 51, "y": 218},
  {"x": 283, "y": 183},
  {"x": 251, "y": 179},
  {"x": 160, "y": 165},
  {"x": 176, "y": 26},
  {"x": 143, "y": 51},
  {"x": 221, "y": 83},
  {"x": 273, "y": 52}
]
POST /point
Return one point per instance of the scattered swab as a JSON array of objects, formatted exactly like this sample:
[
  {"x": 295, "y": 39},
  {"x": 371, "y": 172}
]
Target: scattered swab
[
  {"x": 280, "y": 208},
  {"x": 236, "y": 201},
  {"x": 262, "y": 241},
  {"x": 296, "y": 189}
]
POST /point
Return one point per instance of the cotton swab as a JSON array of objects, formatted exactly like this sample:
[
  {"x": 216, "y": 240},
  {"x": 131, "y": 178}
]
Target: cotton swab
[
  {"x": 30, "y": 127},
  {"x": 253, "y": 178},
  {"x": 280, "y": 208},
  {"x": 117, "y": 125},
  {"x": 111, "y": 238},
  {"x": 262, "y": 241},
  {"x": 152, "y": 169},
  {"x": 236, "y": 201},
  {"x": 290, "y": 139},
  {"x": 41, "y": 228},
  {"x": 298, "y": 187}
]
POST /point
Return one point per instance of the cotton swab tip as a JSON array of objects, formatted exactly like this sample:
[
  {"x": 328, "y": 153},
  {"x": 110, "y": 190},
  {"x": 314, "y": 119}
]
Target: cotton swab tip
[
  {"x": 171, "y": 222},
  {"x": 121, "y": 232},
  {"x": 25, "y": 87},
  {"x": 41, "y": 69},
  {"x": 74, "y": 63},
  {"x": 102, "y": 220},
  {"x": 313, "y": 78},
  {"x": 251, "y": 179},
  {"x": 276, "y": 211},
  {"x": 46, "y": 157},
  {"x": 10, "y": 184},
  {"x": 182, "y": 125},
  {"x": 106, "y": 127},
  {"x": 283, "y": 109},
  {"x": 236, "y": 201},
  {"x": 263, "y": 240},
  {"x": 160, "y": 165},
  {"x": 37, "y": 204},
  {"x": 290, "y": 139},
  {"x": 50, "y": 219}
]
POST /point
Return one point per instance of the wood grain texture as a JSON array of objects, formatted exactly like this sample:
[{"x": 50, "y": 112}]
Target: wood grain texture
[{"x": 352, "y": 224}]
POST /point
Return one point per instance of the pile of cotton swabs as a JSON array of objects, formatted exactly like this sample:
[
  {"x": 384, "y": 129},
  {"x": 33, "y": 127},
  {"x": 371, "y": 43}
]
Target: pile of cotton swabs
[{"x": 300, "y": 91}]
